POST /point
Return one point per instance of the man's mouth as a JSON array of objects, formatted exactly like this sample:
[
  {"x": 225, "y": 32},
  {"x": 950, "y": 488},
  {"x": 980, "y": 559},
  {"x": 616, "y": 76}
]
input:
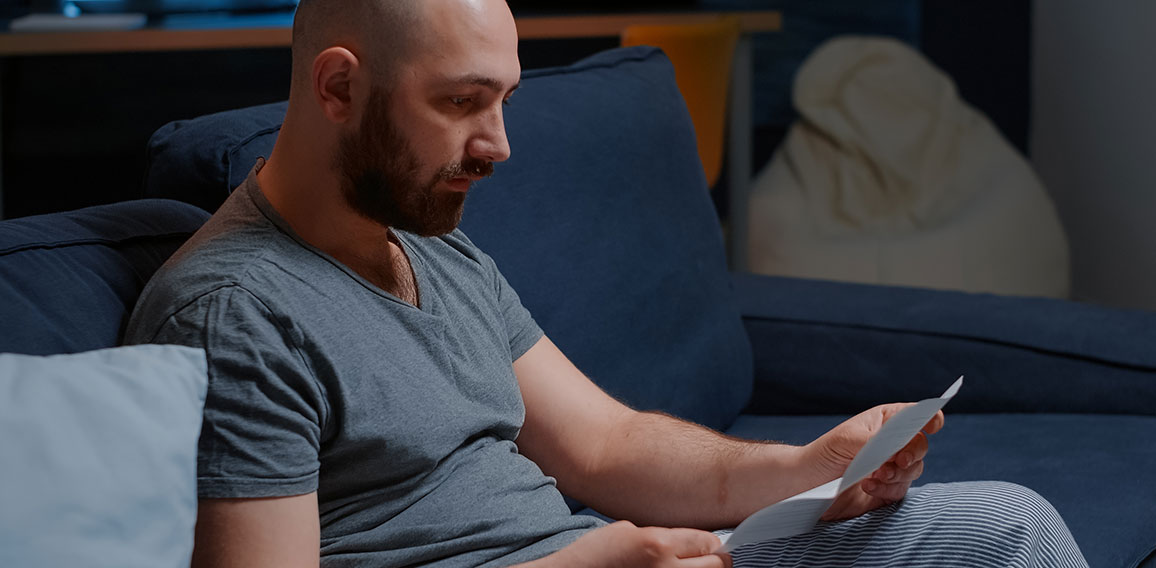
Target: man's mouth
[
  {"x": 461, "y": 175},
  {"x": 460, "y": 183}
]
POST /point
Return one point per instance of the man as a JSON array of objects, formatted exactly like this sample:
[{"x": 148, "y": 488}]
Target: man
[{"x": 378, "y": 395}]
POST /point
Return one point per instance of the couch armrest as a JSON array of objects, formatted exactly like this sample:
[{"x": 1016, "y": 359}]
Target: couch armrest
[{"x": 829, "y": 347}]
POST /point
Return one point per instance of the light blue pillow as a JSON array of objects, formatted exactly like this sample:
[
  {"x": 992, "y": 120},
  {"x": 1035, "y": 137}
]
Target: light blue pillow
[{"x": 98, "y": 456}]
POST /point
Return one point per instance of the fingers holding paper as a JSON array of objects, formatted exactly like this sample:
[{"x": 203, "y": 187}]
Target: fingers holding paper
[
  {"x": 887, "y": 484},
  {"x": 862, "y": 464},
  {"x": 907, "y": 463}
]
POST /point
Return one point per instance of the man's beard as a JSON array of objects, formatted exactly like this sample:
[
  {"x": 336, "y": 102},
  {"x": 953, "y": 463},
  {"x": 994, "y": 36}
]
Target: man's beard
[{"x": 379, "y": 176}]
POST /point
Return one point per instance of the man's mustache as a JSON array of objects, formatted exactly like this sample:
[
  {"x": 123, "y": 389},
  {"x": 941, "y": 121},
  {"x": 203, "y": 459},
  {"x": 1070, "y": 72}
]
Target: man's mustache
[{"x": 470, "y": 167}]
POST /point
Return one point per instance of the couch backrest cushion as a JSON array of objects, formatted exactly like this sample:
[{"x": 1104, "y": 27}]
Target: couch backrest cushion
[
  {"x": 68, "y": 281},
  {"x": 201, "y": 161},
  {"x": 601, "y": 220},
  {"x": 821, "y": 341}
]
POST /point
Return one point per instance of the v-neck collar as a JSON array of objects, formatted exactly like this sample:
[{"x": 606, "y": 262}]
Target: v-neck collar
[
  {"x": 408, "y": 250},
  {"x": 252, "y": 189}
]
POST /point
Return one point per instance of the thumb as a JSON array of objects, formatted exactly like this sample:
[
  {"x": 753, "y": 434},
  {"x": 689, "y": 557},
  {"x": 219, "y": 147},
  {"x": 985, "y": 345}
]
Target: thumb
[
  {"x": 835, "y": 449},
  {"x": 691, "y": 543}
]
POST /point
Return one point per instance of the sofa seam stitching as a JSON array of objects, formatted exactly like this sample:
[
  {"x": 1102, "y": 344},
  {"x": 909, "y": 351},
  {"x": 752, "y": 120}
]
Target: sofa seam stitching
[{"x": 89, "y": 241}]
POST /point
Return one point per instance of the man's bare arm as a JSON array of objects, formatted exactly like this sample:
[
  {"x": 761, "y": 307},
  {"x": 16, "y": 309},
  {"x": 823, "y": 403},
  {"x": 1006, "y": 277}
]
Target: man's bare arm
[
  {"x": 657, "y": 470},
  {"x": 624, "y": 545},
  {"x": 650, "y": 468},
  {"x": 280, "y": 532}
]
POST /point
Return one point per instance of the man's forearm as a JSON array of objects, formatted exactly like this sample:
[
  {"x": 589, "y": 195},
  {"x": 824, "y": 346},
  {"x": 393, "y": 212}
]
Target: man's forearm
[
  {"x": 656, "y": 469},
  {"x": 624, "y": 544},
  {"x": 645, "y": 467}
]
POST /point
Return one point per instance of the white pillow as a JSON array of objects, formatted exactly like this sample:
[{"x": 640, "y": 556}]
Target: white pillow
[
  {"x": 98, "y": 457},
  {"x": 889, "y": 177}
]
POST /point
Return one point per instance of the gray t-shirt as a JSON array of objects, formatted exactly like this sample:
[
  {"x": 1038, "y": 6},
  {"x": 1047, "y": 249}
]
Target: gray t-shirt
[{"x": 402, "y": 419}]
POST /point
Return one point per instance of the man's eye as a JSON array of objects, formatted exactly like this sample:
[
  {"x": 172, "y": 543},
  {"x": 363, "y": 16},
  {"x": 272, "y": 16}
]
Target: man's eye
[{"x": 459, "y": 101}]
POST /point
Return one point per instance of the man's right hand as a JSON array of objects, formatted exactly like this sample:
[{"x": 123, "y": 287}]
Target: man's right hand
[{"x": 624, "y": 545}]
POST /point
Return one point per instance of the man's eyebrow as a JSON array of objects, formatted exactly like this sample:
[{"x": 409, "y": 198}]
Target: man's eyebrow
[{"x": 484, "y": 81}]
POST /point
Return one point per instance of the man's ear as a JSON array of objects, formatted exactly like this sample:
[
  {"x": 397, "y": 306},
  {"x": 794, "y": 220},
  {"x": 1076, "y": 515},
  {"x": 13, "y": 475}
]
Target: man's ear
[{"x": 334, "y": 71}]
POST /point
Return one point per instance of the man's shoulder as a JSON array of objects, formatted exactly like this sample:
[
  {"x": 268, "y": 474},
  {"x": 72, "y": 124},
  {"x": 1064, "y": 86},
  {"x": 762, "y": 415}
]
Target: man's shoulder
[
  {"x": 226, "y": 255},
  {"x": 223, "y": 251}
]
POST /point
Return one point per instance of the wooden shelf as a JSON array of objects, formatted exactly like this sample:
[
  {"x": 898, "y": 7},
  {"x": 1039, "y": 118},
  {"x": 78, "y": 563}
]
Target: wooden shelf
[
  {"x": 612, "y": 25},
  {"x": 234, "y": 36}
]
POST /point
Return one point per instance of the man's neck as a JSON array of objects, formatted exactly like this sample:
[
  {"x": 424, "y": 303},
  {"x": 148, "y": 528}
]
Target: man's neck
[{"x": 307, "y": 195}]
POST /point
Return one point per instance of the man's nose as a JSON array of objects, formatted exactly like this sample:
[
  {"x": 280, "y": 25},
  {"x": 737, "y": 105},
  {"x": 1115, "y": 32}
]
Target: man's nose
[{"x": 490, "y": 143}]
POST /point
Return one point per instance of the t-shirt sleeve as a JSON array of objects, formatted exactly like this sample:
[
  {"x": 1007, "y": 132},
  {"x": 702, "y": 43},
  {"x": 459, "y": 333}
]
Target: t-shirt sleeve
[
  {"x": 262, "y": 428},
  {"x": 521, "y": 328}
]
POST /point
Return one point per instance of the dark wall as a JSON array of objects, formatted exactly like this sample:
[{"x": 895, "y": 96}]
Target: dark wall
[
  {"x": 985, "y": 45},
  {"x": 74, "y": 127}
]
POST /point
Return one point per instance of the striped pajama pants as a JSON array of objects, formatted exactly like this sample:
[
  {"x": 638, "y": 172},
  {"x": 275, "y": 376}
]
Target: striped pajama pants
[{"x": 983, "y": 523}]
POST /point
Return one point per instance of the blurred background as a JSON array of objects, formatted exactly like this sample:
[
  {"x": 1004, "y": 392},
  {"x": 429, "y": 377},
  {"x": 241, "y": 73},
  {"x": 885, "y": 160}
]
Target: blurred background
[{"x": 1062, "y": 80}]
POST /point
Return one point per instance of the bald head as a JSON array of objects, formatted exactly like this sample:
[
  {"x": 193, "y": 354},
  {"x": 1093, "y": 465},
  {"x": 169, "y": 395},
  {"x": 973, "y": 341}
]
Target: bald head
[
  {"x": 380, "y": 32},
  {"x": 396, "y": 109}
]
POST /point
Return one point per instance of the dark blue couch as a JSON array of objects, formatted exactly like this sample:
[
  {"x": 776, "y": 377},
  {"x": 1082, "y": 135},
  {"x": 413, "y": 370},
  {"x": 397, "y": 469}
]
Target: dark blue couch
[{"x": 602, "y": 222}]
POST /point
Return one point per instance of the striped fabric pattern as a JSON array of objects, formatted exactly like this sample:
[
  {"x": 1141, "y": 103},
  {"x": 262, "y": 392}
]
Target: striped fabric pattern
[{"x": 972, "y": 524}]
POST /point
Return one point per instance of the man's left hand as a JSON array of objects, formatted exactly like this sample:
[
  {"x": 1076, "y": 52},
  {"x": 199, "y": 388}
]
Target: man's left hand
[{"x": 834, "y": 451}]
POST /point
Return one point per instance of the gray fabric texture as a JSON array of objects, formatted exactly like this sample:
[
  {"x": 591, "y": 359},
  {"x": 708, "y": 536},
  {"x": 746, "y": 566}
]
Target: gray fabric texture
[{"x": 402, "y": 419}]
